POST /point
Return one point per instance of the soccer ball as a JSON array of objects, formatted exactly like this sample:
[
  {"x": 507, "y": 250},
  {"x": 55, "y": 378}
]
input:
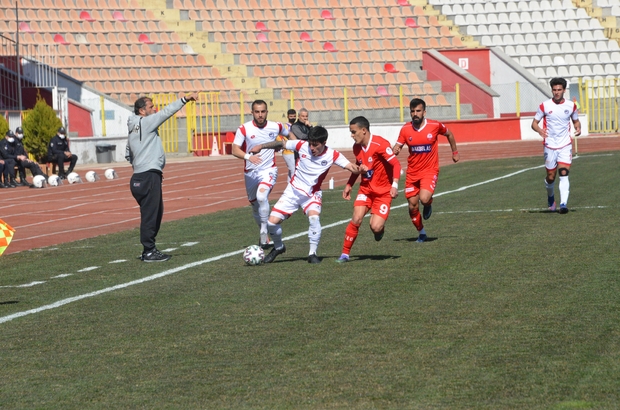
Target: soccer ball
[{"x": 253, "y": 255}]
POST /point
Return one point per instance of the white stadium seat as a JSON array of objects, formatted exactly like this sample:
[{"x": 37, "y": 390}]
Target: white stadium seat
[
  {"x": 563, "y": 71},
  {"x": 570, "y": 59},
  {"x": 567, "y": 48},
  {"x": 604, "y": 58},
  {"x": 574, "y": 71},
  {"x": 553, "y": 37}
]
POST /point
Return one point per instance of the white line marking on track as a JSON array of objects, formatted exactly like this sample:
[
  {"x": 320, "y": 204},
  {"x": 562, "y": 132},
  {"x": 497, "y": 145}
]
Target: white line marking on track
[
  {"x": 89, "y": 268},
  {"x": 168, "y": 272}
]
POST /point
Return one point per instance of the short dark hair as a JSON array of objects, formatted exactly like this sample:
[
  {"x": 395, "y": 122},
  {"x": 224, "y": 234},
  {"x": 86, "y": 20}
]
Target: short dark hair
[
  {"x": 361, "y": 122},
  {"x": 139, "y": 104},
  {"x": 259, "y": 102},
  {"x": 558, "y": 81},
  {"x": 417, "y": 101},
  {"x": 318, "y": 133},
  {"x": 291, "y": 111}
]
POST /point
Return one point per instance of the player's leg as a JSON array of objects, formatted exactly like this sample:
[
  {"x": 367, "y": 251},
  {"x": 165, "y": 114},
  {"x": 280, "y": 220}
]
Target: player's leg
[
  {"x": 283, "y": 209},
  {"x": 380, "y": 210},
  {"x": 251, "y": 188},
  {"x": 427, "y": 188},
  {"x": 267, "y": 181},
  {"x": 551, "y": 168},
  {"x": 350, "y": 234},
  {"x": 565, "y": 158},
  {"x": 312, "y": 208},
  {"x": 412, "y": 193}
]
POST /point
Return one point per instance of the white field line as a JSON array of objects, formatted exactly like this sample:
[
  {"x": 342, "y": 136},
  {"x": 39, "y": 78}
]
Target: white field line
[{"x": 168, "y": 272}]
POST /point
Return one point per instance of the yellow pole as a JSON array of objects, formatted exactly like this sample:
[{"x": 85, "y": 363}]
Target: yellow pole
[
  {"x": 346, "y": 107},
  {"x": 292, "y": 100},
  {"x": 241, "y": 106},
  {"x": 616, "y": 104},
  {"x": 458, "y": 101},
  {"x": 518, "y": 102},
  {"x": 102, "y": 101},
  {"x": 402, "y": 106}
]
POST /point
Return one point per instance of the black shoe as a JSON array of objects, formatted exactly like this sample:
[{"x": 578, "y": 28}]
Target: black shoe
[
  {"x": 272, "y": 255},
  {"x": 23, "y": 182},
  {"x": 563, "y": 209},
  {"x": 2, "y": 185},
  {"x": 11, "y": 184},
  {"x": 313, "y": 258},
  {"x": 155, "y": 256},
  {"x": 62, "y": 176},
  {"x": 427, "y": 212},
  {"x": 379, "y": 235}
]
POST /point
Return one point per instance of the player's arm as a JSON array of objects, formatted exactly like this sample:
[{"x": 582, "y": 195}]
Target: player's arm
[
  {"x": 270, "y": 145},
  {"x": 391, "y": 159},
  {"x": 239, "y": 153},
  {"x": 577, "y": 125},
  {"x": 346, "y": 193},
  {"x": 535, "y": 122},
  {"x": 452, "y": 141},
  {"x": 397, "y": 147}
]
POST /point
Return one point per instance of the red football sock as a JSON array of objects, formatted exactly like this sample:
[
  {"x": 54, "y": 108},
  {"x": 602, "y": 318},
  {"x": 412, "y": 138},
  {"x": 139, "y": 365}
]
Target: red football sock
[
  {"x": 416, "y": 220},
  {"x": 350, "y": 235}
]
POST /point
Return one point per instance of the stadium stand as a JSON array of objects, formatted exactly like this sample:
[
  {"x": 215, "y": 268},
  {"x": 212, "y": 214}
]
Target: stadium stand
[
  {"x": 125, "y": 49},
  {"x": 548, "y": 37}
]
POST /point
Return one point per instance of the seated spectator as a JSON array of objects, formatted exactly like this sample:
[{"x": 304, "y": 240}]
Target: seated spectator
[
  {"x": 7, "y": 154},
  {"x": 23, "y": 162},
  {"x": 59, "y": 153}
]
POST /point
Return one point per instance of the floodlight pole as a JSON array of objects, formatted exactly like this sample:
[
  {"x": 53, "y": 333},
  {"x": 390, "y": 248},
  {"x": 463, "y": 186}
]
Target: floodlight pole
[{"x": 19, "y": 74}]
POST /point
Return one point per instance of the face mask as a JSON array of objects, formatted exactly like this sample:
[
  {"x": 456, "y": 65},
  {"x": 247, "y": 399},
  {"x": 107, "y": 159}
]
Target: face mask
[
  {"x": 19, "y": 136},
  {"x": 11, "y": 140},
  {"x": 62, "y": 137}
]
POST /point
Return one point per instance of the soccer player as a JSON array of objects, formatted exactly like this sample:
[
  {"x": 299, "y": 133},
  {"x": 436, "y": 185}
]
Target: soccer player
[
  {"x": 260, "y": 170},
  {"x": 380, "y": 173},
  {"x": 557, "y": 114},
  {"x": 420, "y": 135},
  {"x": 304, "y": 189}
]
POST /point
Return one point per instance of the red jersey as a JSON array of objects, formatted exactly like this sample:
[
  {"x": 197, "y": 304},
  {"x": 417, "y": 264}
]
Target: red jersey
[
  {"x": 383, "y": 167},
  {"x": 422, "y": 145}
]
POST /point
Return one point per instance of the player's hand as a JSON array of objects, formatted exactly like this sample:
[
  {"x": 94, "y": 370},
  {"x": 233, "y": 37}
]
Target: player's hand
[
  {"x": 577, "y": 132},
  {"x": 396, "y": 149},
  {"x": 346, "y": 193},
  {"x": 456, "y": 157},
  {"x": 191, "y": 97},
  {"x": 363, "y": 168},
  {"x": 255, "y": 159},
  {"x": 255, "y": 149},
  {"x": 544, "y": 133},
  {"x": 393, "y": 192}
]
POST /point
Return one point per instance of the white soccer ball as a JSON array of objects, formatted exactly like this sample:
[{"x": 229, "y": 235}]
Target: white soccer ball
[
  {"x": 39, "y": 181},
  {"x": 54, "y": 180},
  {"x": 91, "y": 176},
  {"x": 253, "y": 255},
  {"x": 74, "y": 178},
  {"x": 111, "y": 174}
]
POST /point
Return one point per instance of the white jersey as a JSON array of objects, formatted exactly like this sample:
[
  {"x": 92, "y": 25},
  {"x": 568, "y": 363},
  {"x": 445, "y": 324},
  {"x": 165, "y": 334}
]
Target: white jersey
[
  {"x": 248, "y": 135},
  {"x": 310, "y": 170},
  {"x": 557, "y": 121}
]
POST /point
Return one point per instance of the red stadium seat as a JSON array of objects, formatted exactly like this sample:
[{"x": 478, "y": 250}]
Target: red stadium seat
[
  {"x": 329, "y": 47},
  {"x": 84, "y": 15},
  {"x": 58, "y": 38},
  {"x": 327, "y": 15},
  {"x": 118, "y": 16},
  {"x": 260, "y": 26},
  {"x": 262, "y": 38},
  {"x": 388, "y": 67},
  {"x": 306, "y": 37}
]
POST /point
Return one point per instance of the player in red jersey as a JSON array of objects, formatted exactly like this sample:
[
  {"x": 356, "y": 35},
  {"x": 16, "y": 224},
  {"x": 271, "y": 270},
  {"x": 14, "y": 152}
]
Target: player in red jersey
[
  {"x": 379, "y": 185},
  {"x": 420, "y": 135}
]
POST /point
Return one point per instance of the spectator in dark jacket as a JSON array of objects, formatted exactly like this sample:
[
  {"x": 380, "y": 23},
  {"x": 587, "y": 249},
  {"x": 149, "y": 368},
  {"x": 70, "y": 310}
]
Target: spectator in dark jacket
[
  {"x": 7, "y": 154},
  {"x": 23, "y": 162},
  {"x": 58, "y": 152}
]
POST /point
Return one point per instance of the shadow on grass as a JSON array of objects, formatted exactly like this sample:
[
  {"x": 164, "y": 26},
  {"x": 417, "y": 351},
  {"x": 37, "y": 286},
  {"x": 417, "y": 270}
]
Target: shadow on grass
[
  {"x": 9, "y": 302},
  {"x": 428, "y": 239}
]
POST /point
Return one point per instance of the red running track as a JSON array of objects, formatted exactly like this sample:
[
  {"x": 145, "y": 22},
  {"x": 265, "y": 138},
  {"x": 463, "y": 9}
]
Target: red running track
[{"x": 192, "y": 186}]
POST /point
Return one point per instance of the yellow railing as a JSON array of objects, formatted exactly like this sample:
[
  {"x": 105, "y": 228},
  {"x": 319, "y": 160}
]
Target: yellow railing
[
  {"x": 203, "y": 123},
  {"x": 599, "y": 99}
]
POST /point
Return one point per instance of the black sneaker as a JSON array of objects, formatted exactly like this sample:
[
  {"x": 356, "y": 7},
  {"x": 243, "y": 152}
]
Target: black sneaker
[
  {"x": 427, "y": 212},
  {"x": 2, "y": 185},
  {"x": 379, "y": 236},
  {"x": 23, "y": 182},
  {"x": 155, "y": 256},
  {"x": 11, "y": 184},
  {"x": 313, "y": 258},
  {"x": 62, "y": 176},
  {"x": 272, "y": 255},
  {"x": 563, "y": 209}
]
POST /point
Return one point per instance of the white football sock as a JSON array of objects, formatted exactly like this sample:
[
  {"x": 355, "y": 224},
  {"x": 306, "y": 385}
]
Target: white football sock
[
  {"x": 314, "y": 233},
  {"x": 275, "y": 231},
  {"x": 256, "y": 215},
  {"x": 564, "y": 190},
  {"x": 550, "y": 187}
]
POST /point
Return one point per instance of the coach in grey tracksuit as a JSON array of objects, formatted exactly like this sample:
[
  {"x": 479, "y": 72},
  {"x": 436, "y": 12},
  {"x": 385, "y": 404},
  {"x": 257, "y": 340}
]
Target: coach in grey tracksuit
[{"x": 146, "y": 154}]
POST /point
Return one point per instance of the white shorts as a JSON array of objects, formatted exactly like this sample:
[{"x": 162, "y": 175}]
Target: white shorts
[
  {"x": 253, "y": 179},
  {"x": 563, "y": 155},
  {"x": 292, "y": 199}
]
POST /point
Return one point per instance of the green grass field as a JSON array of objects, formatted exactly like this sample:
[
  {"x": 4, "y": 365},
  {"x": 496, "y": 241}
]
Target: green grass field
[{"x": 508, "y": 306}]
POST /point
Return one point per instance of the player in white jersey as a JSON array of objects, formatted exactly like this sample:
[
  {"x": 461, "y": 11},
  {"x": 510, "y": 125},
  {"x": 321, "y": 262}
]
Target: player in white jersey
[
  {"x": 557, "y": 115},
  {"x": 304, "y": 188},
  {"x": 260, "y": 171}
]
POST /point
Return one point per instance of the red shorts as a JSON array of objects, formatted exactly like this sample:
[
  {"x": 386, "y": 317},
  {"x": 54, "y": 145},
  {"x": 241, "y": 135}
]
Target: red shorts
[
  {"x": 426, "y": 181},
  {"x": 378, "y": 204}
]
